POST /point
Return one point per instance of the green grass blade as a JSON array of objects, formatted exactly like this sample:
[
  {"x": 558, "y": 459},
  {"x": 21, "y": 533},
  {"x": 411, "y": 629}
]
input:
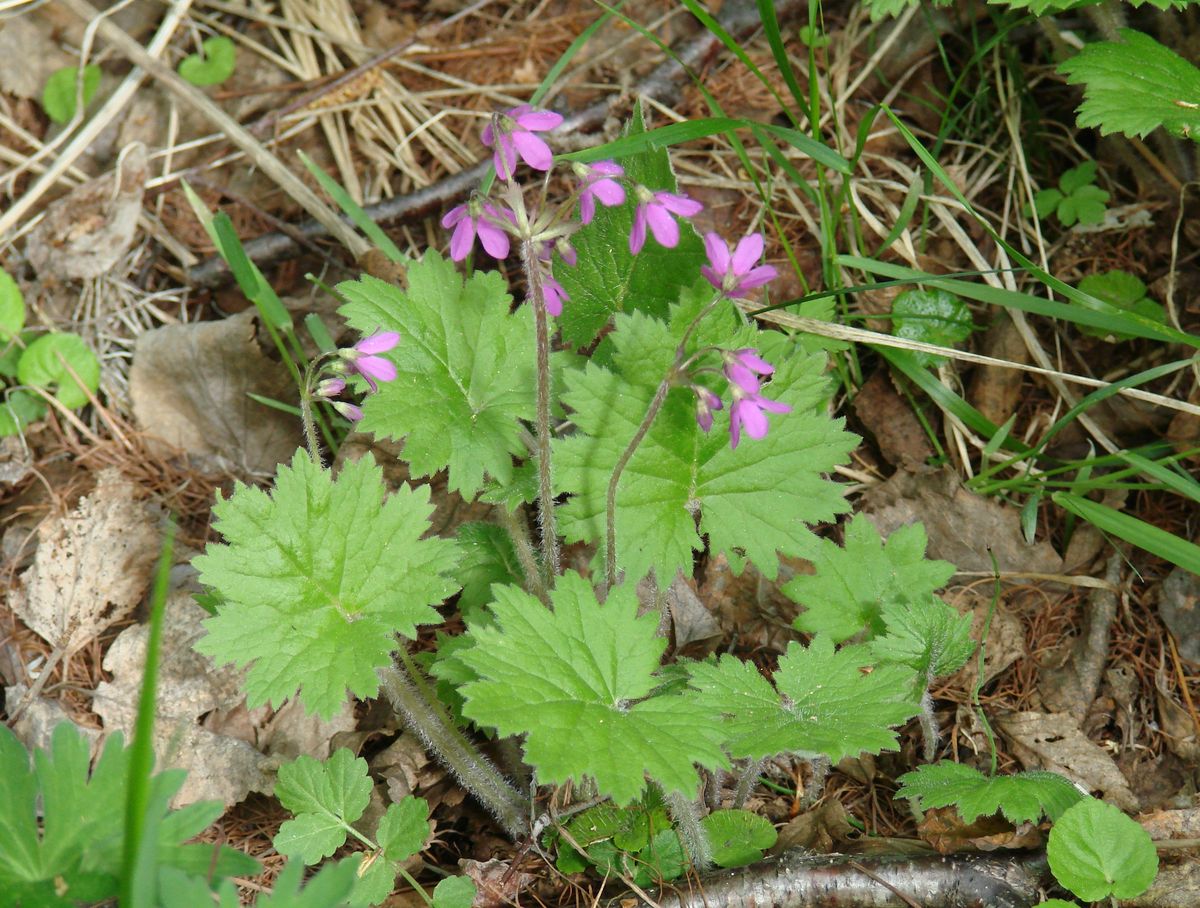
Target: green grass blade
[
  {"x": 1137, "y": 532},
  {"x": 1181, "y": 485},
  {"x": 770, "y": 23},
  {"x": 319, "y": 333},
  {"x": 354, "y": 211}
]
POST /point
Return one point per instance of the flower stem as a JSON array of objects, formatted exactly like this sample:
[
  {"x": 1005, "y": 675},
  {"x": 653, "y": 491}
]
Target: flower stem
[
  {"x": 515, "y": 524},
  {"x": 550, "y": 554},
  {"x": 306, "y": 417},
  {"x": 411, "y": 696}
]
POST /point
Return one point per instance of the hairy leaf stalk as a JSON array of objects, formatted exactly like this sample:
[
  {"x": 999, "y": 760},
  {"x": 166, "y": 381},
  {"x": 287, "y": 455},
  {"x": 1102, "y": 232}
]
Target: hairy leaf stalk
[
  {"x": 412, "y": 697},
  {"x": 518, "y": 531},
  {"x": 550, "y": 554},
  {"x": 746, "y": 781},
  {"x": 686, "y": 812}
]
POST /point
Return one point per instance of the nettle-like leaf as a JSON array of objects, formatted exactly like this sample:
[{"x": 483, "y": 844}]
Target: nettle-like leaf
[
  {"x": 853, "y": 582},
  {"x": 823, "y": 702},
  {"x": 330, "y": 887},
  {"x": 1134, "y": 86},
  {"x": 488, "y": 557},
  {"x": 608, "y": 278},
  {"x": 927, "y": 635},
  {"x": 62, "y": 825},
  {"x": 738, "y": 837},
  {"x": 326, "y": 799},
  {"x": 317, "y": 577},
  {"x": 576, "y": 681},
  {"x": 752, "y": 502},
  {"x": 465, "y": 370},
  {"x": 1022, "y": 797},
  {"x": 1097, "y": 852}
]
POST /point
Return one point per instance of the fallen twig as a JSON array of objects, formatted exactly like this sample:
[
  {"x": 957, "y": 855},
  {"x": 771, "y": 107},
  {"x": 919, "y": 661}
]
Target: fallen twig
[{"x": 665, "y": 83}]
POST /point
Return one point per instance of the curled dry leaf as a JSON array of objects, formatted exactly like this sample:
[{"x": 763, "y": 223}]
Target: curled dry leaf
[
  {"x": 86, "y": 232},
  {"x": 1054, "y": 741},
  {"x": 92, "y": 566},
  {"x": 190, "y": 387}
]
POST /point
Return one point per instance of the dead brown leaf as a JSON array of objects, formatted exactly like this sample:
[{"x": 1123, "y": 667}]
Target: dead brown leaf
[
  {"x": 890, "y": 420},
  {"x": 1005, "y": 641},
  {"x": 821, "y": 829},
  {"x": 945, "y": 830}
]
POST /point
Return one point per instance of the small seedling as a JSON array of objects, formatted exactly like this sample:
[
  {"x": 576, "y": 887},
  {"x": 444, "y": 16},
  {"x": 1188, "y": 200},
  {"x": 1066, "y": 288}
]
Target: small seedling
[
  {"x": 1076, "y": 200},
  {"x": 213, "y": 65},
  {"x": 58, "y": 97}
]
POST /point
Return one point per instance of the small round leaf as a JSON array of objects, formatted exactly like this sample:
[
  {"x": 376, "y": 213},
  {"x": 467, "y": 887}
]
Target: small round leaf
[
  {"x": 932, "y": 317},
  {"x": 1096, "y": 852},
  {"x": 454, "y": 892},
  {"x": 44, "y": 365},
  {"x": 12, "y": 307},
  {"x": 19, "y": 410},
  {"x": 58, "y": 97},
  {"x": 738, "y": 837},
  {"x": 214, "y": 65}
]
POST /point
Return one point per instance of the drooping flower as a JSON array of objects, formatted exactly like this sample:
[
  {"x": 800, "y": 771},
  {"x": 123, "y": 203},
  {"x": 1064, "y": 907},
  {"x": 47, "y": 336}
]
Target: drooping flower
[
  {"x": 566, "y": 251},
  {"x": 706, "y": 402},
  {"x": 600, "y": 186},
  {"x": 747, "y": 413},
  {"x": 655, "y": 209},
  {"x": 475, "y": 217},
  {"x": 512, "y": 133},
  {"x": 363, "y": 359},
  {"x": 741, "y": 367},
  {"x": 330, "y": 387},
  {"x": 352, "y": 412},
  {"x": 734, "y": 275},
  {"x": 554, "y": 295}
]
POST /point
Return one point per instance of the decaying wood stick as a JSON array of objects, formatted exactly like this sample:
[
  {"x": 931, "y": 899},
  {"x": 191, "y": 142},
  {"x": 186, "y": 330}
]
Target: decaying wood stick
[
  {"x": 798, "y": 880},
  {"x": 739, "y": 17}
]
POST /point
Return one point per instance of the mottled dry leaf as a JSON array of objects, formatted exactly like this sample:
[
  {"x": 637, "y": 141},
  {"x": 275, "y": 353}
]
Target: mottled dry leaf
[
  {"x": 87, "y": 231},
  {"x": 1005, "y": 641},
  {"x": 40, "y": 717},
  {"x": 891, "y": 422},
  {"x": 190, "y": 387},
  {"x": 821, "y": 829},
  {"x": 496, "y": 882},
  {"x": 92, "y": 566},
  {"x": 1054, "y": 741},
  {"x": 944, "y": 829},
  {"x": 1179, "y": 606},
  {"x": 28, "y": 55}
]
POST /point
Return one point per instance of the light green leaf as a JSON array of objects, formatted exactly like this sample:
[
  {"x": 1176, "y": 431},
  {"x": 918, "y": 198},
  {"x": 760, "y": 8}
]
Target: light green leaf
[
  {"x": 1124, "y": 291},
  {"x": 752, "y": 502},
  {"x": 854, "y": 582},
  {"x": 925, "y": 634},
  {"x": 12, "y": 307},
  {"x": 825, "y": 704},
  {"x": 1056, "y": 903},
  {"x": 376, "y": 880},
  {"x": 466, "y": 370},
  {"x": 1022, "y": 797},
  {"x": 18, "y": 410},
  {"x": 404, "y": 829},
  {"x": 608, "y": 278},
  {"x": 329, "y": 888},
  {"x": 317, "y": 578},
  {"x": 488, "y": 557},
  {"x": 58, "y": 97},
  {"x": 1046, "y": 201},
  {"x": 454, "y": 892},
  {"x": 576, "y": 681},
  {"x": 738, "y": 837},
  {"x": 1134, "y": 86},
  {"x": 213, "y": 65},
  {"x": 326, "y": 798},
  {"x": 1077, "y": 178},
  {"x": 1097, "y": 852},
  {"x": 48, "y": 363},
  {"x": 1085, "y": 205},
  {"x": 932, "y": 317}
]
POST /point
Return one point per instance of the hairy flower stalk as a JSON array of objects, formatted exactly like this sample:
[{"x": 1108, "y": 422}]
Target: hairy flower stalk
[
  {"x": 746, "y": 781},
  {"x": 412, "y": 697},
  {"x": 549, "y": 527},
  {"x": 686, "y": 812}
]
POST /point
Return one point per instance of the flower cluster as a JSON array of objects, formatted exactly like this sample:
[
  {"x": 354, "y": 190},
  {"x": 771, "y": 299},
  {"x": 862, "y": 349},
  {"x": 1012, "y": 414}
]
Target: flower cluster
[
  {"x": 742, "y": 369},
  {"x": 361, "y": 359}
]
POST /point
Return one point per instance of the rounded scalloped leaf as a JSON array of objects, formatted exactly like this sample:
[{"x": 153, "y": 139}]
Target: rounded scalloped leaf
[
  {"x": 1096, "y": 851},
  {"x": 932, "y": 317},
  {"x": 213, "y": 65},
  {"x": 1056, "y": 903},
  {"x": 738, "y": 837},
  {"x": 12, "y": 307},
  {"x": 48, "y": 363},
  {"x": 454, "y": 892},
  {"x": 19, "y": 409},
  {"x": 58, "y": 97}
]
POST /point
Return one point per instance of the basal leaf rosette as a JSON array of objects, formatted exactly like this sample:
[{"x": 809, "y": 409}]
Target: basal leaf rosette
[
  {"x": 465, "y": 370},
  {"x": 752, "y": 502},
  {"x": 318, "y": 575},
  {"x": 577, "y": 682}
]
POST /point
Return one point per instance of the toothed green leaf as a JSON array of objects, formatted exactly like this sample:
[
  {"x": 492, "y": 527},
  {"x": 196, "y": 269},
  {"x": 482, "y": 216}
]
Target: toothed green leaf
[{"x": 1022, "y": 797}]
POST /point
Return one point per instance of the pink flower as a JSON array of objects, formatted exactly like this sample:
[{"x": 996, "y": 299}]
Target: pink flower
[
  {"x": 734, "y": 275},
  {"x": 655, "y": 209},
  {"x": 599, "y": 186},
  {"x": 362, "y": 358},
  {"x": 747, "y": 412},
  {"x": 350, "y": 411},
  {"x": 554, "y": 295},
  {"x": 331, "y": 387},
  {"x": 706, "y": 402},
  {"x": 512, "y": 133},
  {"x": 741, "y": 366},
  {"x": 472, "y": 218}
]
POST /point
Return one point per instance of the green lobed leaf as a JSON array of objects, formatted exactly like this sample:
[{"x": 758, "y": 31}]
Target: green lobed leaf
[
  {"x": 376, "y": 880},
  {"x": 752, "y": 502},
  {"x": 925, "y": 634},
  {"x": 1134, "y": 86},
  {"x": 213, "y": 65},
  {"x": 317, "y": 578},
  {"x": 932, "y": 317},
  {"x": 488, "y": 557},
  {"x": 465, "y": 370},
  {"x": 454, "y": 892},
  {"x": 59, "y": 94},
  {"x": 329, "y": 888},
  {"x": 738, "y": 837},
  {"x": 19, "y": 409},
  {"x": 1124, "y": 291},
  {"x": 608, "y": 278},
  {"x": 576, "y": 681},
  {"x": 1097, "y": 852},
  {"x": 1076, "y": 178},
  {"x": 12, "y": 307},
  {"x": 1022, "y": 797},
  {"x": 662, "y": 859},
  {"x": 48, "y": 362},
  {"x": 404, "y": 829},
  {"x": 853, "y": 582},
  {"x": 1046, "y": 201},
  {"x": 822, "y": 702},
  {"x": 326, "y": 797}
]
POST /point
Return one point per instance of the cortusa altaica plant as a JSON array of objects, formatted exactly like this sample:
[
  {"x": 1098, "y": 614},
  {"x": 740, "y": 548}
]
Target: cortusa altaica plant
[{"x": 628, "y": 405}]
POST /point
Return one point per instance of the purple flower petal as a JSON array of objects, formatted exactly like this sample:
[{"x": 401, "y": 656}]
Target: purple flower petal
[
  {"x": 553, "y": 295},
  {"x": 609, "y": 192},
  {"x": 756, "y": 277},
  {"x": 662, "y": 225},
  {"x": 376, "y": 367},
  {"x": 505, "y": 157},
  {"x": 587, "y": 207},
  {"x": 773, "y": 405},
  {"x": 494, "y": 240},
  {"x": 350, "y": 411},
  {"x": 742, "y": 377},
  {"x": 718, "y": 256},
  {"x": 735, "y": 423},
  {"x": 537, "y": 120},
  {"x": 637, "y": 235},
  {"x": 754, "y": 421},
  {"x": 711, "y": 276},
  {"x": 486, "y": 136},
  {"x": 463, "y": 239},
  {"x": 608, "y": 168},
  {"x": 378, "y": 343},
  {"x": 749, "y": 358},
  {"x": 534, "y": 151},
  {"x": 454, "y": 215},
  {"x": 749, "y": 251},
  {"x": 678, "y": 204}
]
